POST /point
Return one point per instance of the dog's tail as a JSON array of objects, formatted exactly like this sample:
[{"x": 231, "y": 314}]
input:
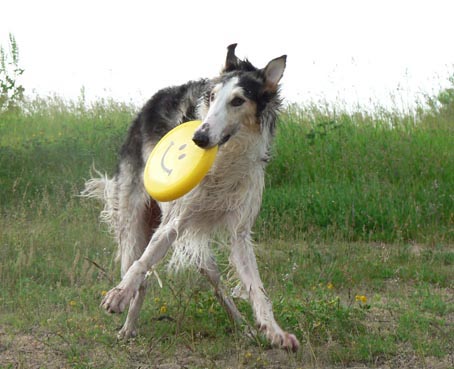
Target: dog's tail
[
  {"x": 98, "y": 188},
  {"x": 103, "y": 188}
]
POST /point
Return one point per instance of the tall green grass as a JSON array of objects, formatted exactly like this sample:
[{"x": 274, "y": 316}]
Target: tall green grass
[
  {"x": 361, "y": 176},
  {"x": 380, "y": 176},
  {"x": 49, "y": 146}
]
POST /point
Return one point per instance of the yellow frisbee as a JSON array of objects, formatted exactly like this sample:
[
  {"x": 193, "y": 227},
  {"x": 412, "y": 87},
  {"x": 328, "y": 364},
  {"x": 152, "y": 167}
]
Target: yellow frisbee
[{"x": 176, "y": 165}]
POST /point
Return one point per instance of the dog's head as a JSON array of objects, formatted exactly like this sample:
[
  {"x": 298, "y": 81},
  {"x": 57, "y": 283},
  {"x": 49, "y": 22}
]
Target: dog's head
[{"x": 239, "y": 97}]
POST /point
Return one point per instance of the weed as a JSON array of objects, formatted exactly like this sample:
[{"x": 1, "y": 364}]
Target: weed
[{"x": 11, "y": 92}]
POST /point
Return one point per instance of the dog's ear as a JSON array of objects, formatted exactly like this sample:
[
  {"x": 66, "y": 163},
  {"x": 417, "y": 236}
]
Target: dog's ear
[
  {"x": 231, "y": 61},
  {"x": 273, "y": 73}
]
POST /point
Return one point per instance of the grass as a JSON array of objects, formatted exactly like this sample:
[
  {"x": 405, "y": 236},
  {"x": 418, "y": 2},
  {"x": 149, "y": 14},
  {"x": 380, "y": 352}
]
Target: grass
[
  {"x": 355, "y": 177},
  {"x": 355, "y": 246}
]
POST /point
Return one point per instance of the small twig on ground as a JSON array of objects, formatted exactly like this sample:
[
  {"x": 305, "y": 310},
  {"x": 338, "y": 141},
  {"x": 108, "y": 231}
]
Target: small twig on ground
[{"x": 103, "y": 270}]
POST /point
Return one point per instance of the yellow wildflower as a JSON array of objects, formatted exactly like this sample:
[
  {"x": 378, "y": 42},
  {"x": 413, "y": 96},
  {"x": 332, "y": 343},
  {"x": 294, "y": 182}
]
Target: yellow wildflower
[
  {"x": 361, "y": 298},
  {"x": 163, "y": 309}
]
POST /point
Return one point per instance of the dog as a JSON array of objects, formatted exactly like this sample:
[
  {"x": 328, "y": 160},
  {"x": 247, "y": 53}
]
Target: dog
[{"x": 238, "y": 111}]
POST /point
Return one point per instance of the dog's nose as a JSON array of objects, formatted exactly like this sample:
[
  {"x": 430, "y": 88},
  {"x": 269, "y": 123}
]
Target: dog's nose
[{"x": 201, "y": 139}]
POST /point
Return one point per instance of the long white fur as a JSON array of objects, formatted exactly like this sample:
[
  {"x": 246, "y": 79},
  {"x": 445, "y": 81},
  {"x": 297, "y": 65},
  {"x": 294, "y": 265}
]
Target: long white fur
[
  {"x": 219, "y": 194},
  {"x": 103, "y": 188}
]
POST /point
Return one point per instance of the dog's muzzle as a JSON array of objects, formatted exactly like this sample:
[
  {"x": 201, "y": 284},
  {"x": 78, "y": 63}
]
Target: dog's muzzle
[
  {"x": 201, "y": 139},
  {"x": 201, "y": 136}
]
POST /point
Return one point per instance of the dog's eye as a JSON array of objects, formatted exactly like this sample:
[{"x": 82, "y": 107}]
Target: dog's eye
[{"x": 237, "y": 101}]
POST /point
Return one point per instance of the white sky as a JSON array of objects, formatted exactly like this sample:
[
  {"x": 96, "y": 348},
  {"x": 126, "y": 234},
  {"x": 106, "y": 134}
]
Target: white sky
[{"x": 353, "y": 51}]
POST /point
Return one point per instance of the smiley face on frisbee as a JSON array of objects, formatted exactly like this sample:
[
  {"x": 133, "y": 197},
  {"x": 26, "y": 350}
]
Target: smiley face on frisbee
[
  {"x": 166, "y": 152},
  {"x": 176, "y": 165}
]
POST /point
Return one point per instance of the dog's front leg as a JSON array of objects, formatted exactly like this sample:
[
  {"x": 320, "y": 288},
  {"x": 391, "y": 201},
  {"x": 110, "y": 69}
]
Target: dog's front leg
[
  {"x": 243, "y": 258},
  {"x": 118, "y": 298}
]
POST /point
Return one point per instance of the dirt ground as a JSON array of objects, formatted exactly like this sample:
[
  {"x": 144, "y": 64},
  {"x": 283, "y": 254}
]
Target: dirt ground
[{"x": 30, "y": 351}]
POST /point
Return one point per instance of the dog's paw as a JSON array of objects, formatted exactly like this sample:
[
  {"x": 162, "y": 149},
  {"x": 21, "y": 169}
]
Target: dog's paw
[
  {"x": 125, "y": 333},
  {"x": 117, "y": 299},
  {"x": 289, "y": 342},
  {"x": 281, "y": 339}
]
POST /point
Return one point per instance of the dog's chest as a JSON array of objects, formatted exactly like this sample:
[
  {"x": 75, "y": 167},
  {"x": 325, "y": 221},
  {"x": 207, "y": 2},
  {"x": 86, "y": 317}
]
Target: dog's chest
[{"x": 233, "y": 185}]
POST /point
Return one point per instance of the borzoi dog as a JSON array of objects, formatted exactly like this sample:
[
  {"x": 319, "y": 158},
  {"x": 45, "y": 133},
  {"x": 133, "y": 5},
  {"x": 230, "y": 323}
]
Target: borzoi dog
[{"x": 238, "y": 110}]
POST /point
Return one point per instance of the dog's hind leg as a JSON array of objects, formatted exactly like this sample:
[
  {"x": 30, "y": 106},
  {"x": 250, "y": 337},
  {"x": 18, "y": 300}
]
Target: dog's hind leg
[
  {"x": 129, "y": 328},
  {"x": 243, "y": 258},
  {"x": 138, "y": 216},
  {"x": 150, "y": 222},
  {"x": 211, "y": 271}
]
